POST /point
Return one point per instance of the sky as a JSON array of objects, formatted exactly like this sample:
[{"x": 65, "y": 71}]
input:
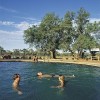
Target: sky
[{"x": 18, "y": 15}]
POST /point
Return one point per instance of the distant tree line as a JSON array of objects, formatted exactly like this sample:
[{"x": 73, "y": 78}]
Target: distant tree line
[{"x": 17, "y": 53}]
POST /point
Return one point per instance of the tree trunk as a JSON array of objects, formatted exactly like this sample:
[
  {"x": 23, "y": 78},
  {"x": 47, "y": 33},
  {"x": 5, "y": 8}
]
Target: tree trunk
[
  {"x": 72, "y": 53},
  {"x": 54, "y": 54},
  {"x": 80, "y": 54}
]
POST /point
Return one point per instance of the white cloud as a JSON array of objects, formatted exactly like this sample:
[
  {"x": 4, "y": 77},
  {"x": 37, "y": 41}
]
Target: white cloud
[
  {"x": 33, "y": 20},
  {"x": 37, "y": 23},
  {"x": 8, "y": 10},
  {"x": 6, "y": 23},
  {"x": 11, "y": 39},
  {"x": 23, "y": 25},
  {"x": 14, "y": 33},
  {"x": 94, "y": 19},
  {"x": 14, "y": 39},
  {"x": 19, "y": 26},
  {"x": 26, "y": 18}
]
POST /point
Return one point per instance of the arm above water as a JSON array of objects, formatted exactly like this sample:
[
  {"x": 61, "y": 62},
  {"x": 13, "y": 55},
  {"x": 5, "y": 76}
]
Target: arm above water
[
  {"x": 66, "y": 76},
  {"x": 70, "y": 76}
]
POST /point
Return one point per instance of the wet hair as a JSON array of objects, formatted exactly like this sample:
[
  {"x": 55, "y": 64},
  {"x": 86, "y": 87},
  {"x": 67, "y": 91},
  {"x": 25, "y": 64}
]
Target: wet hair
[
  {"x": 39, "y": 73},
  {"x": 60, "y": 75},
  {"x": 16, "y": 76},
  {"x": 61, "y": 78}
]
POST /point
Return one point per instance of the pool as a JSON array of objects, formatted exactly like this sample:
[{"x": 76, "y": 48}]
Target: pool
[{"x": 85, "y": 86}]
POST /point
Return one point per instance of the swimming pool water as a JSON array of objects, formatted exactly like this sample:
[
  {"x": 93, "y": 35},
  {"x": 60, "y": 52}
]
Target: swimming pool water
[{"x": 85, "y": 86}]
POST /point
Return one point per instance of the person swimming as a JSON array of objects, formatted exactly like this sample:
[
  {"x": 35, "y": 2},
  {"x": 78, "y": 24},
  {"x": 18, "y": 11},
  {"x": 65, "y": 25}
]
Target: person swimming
[
  {"x": 61, "y": 78},
  {"x": 16, "y": 82},
  {"x": 41, "y": 75},
  {"x": 16, "y": 79},
  {"x": 62, "y": 81}
]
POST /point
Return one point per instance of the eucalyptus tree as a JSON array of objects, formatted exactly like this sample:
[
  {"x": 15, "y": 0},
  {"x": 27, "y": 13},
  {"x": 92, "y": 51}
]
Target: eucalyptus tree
[
  {"x": 81, "y": 21},
  {"x": 25, "y": 53},
  {"x": 56, "y": 33},
  {"x": 84, "y": 42},
  {"x": 1, "y": 50},
  {"x": 16, "y": 53},
  {"x": 46, "y": 35},
  {"x": 9, "y": 52},
  {"x": 31, "y": 52},
  {"x": 93, "y": 29},
  {"x": 68, "y": 32},
  {"x": 50, "y": 27},
  {"x": 84, "y": 29}
]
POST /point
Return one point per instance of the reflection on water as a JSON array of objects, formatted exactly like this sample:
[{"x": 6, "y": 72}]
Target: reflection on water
[
  {"x": 85, "y": 86},
  {"x": 18, "y": 90}
]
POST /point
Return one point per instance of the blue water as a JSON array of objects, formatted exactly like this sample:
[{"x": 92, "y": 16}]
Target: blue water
[{"x": 85, "y": 86}]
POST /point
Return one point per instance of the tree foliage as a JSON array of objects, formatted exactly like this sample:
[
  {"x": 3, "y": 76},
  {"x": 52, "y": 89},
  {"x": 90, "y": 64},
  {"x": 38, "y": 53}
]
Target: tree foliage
[
  {"x": 67, "y": 31},
  {"x": 73, "y": 32}
]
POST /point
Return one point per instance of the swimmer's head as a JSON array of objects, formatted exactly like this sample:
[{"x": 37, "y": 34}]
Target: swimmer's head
[
  {"x": 61, "y": 78},
  {"x": 16, "y": 76},
  {"x": 39, "y": 74}
]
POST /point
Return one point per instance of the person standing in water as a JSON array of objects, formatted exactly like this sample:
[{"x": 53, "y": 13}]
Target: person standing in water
[
  {"x": 16, "y": 82},
  {"x": 62, "y": 81}
]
